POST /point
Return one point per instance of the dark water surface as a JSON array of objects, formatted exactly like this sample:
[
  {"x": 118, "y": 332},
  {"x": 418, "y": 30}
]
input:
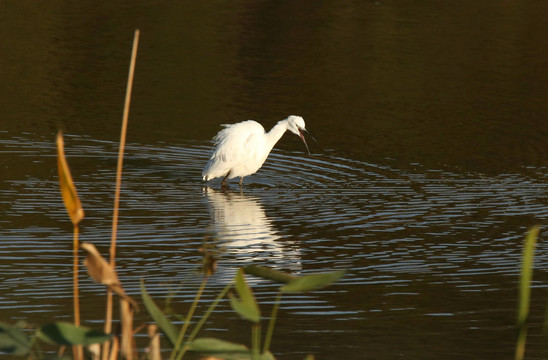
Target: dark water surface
[{"x": 431, "y": 165}]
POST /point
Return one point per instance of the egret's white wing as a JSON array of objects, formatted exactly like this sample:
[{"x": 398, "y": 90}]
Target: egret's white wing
[{"x": 236, "y": 144}]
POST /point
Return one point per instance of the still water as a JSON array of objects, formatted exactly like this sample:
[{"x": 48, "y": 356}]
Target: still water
[{"x": 431, "y": 164}]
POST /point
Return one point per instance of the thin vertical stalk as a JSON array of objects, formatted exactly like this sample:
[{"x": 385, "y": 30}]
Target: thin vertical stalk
[
  {"x": 202, "y": 321},
  {"x": 129, "y": 87},
  {"x": 272, "y": 322},
  {"x": 121, "y": 149},
  {"x": 525, "y": 289},
  {"x": 255, "y": 341},
  {"x": 208, "y": 312},
  {"x": 76, "y": 214},
  {"x": 178, "y": 349},
  {"x": 78, "y": 350}
]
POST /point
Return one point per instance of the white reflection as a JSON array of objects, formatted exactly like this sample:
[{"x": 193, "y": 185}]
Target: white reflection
[{"x": 247, "y": 233}]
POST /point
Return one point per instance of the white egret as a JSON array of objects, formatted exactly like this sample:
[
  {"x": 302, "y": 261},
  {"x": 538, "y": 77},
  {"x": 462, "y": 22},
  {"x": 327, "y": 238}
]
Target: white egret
[{"x": 242, "y": 148}]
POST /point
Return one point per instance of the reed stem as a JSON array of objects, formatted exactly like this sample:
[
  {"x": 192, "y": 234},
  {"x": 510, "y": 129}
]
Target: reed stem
[
  {"x": 526, "y": 277},
  {"x": 77, "y": 349},
  {"x": 129, "y": 87}
]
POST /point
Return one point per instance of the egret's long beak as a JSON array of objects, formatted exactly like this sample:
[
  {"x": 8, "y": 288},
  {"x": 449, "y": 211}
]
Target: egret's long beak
[{"x": 301, "y": 135}]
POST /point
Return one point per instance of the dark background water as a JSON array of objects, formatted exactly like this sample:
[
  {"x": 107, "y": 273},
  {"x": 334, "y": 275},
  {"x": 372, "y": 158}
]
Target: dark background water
[{"x": 431, "y": 163}]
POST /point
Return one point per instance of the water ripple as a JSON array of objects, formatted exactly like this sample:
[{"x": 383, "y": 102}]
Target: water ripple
[{"x": 299, "y": 213}]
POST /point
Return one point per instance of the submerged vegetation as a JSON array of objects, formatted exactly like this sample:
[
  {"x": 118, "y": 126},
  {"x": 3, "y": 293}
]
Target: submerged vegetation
[{"x": 104, "y": 344}]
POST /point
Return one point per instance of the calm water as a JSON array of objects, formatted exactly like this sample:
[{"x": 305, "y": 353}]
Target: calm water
[{"x": 431, "y": 164}]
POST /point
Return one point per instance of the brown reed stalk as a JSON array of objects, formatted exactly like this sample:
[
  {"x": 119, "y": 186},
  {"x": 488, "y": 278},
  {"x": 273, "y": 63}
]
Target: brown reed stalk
[
  {"x": 76, "y": 214},
  {"x": 78, "y": 350},
  {"x": 108, "y": 319},
  {"x": 154, "y": 347},
  {"x": 127, "y": 340}
]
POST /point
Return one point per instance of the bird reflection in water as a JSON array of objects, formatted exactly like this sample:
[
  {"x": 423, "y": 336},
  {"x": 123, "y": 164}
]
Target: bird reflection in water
[{"x": 246, "y": 233}]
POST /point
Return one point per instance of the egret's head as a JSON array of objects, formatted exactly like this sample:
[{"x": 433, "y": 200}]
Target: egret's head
[{"x": 295, "y": 124}]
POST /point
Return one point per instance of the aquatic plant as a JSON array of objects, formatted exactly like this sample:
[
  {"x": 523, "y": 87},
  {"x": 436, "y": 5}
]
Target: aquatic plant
[
  {"x": 244, "y": 304},
  {"x": 525, "y": 289},
  {"x": 76, "y": 214}
]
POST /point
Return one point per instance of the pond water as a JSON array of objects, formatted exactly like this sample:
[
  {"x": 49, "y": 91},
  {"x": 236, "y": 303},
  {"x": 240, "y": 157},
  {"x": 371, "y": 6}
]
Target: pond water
[{"x": 429, "y": 169}]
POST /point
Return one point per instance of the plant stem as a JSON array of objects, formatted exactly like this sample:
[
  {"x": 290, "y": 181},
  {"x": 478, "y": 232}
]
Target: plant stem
[
  {"x": 255, "y": 341},
  {"x": 527, "y": 263},
  {"x": 77, "y": 349},
  {"x": 272, "y": 322},
  {"x": 203, "y": 320},
  {"x": 121, "y": 149},
  {"x": 208, "y": 312},
  {"x": 108, "y": 325},
  {"x": 177, "y": 349},
  {"x": 108, "y": 317}
]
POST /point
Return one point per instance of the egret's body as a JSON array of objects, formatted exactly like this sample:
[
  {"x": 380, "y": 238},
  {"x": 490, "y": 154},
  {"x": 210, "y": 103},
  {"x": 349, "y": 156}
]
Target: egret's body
[{"x": 241, "y": 149}]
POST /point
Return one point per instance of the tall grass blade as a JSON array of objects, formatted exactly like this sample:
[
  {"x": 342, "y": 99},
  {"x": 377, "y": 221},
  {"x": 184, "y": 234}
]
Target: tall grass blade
[{"x": 525, "y": 289}]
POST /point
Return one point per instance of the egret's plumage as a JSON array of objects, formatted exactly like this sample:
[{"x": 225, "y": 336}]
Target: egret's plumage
[{"x": 241, "y": 149}]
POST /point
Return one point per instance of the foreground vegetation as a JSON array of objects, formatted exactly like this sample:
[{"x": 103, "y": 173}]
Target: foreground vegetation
[
  {"x": 104, "y": 344},
  {"x": 80, "y": 342}
]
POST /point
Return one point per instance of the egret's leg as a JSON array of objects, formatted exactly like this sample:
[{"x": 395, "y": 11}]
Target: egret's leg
[
  {"x": 241, "y": 182},
  {"x": 224, "y": 186}
]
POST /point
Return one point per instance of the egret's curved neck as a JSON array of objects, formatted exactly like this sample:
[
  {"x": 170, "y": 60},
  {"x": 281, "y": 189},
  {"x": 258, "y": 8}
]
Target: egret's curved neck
[{"x": 276, "y": 133}]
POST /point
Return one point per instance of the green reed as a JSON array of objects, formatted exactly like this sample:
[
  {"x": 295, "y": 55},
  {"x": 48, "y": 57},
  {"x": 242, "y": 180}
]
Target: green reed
[{"x": 525, "y": 290}]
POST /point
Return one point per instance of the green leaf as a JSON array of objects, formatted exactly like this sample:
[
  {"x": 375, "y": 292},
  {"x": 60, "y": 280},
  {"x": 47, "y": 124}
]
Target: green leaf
[
  {"x": 246, "y": 306},
  {"x": 225, "y": 350},
  {"x": 267, "y": 356},
  {"x": 64, "y": 333},
  {"x": 13, "y": 340},
  {"x": 211, "y": 345},
  {"x": 163, "y": 322},
  {"x": 312, "y": 282},
  {"x": 267, "y": 273}
]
